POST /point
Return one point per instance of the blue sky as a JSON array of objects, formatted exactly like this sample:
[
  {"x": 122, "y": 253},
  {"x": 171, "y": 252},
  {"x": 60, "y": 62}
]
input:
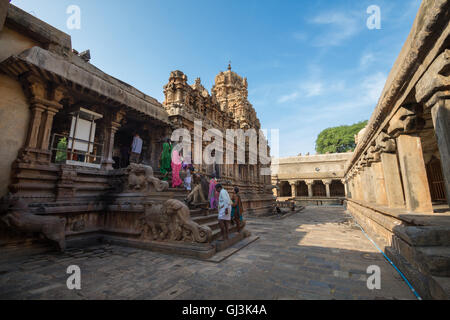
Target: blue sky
[{"x": 310, "y": 64}]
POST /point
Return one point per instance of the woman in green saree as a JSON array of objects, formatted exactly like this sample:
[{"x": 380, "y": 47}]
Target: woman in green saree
[{"x": 166, "y": 159}]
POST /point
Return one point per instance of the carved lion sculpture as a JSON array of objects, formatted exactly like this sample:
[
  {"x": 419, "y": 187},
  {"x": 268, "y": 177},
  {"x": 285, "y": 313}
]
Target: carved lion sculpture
[
  {"x": 20, "y": 218},
  {"x": 141, "y": 179},
  {"x": 171, "y": 220},
  {"x": 199, "y": 192}
]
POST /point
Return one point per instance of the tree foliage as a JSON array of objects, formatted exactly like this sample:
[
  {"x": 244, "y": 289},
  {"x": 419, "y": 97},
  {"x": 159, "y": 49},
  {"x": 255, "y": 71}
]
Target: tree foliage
[{"x": 338, "y": 139}]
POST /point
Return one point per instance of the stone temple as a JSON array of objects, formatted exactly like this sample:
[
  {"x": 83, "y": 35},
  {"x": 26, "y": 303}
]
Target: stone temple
[
  {"x": 65, "y": 183},
  {"x": 63, "y": 124}
]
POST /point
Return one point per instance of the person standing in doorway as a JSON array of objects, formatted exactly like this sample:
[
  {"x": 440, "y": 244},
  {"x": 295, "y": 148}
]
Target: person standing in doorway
[
  {"x": 224, "y": 210},
  {"x": 136, "y": 148}
]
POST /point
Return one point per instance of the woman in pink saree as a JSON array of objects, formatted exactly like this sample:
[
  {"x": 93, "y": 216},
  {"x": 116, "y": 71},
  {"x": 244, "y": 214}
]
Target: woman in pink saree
[
  {"x": 212, "y": 197},
  {"x": 176, "y": 167}
]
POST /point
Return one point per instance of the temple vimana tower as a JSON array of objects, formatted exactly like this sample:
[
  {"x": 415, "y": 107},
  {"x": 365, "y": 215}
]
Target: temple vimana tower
[{"x": 63, "y": 173}]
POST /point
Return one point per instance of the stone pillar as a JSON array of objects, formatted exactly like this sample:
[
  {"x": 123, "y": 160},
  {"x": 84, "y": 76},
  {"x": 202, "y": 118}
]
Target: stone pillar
[
  {"x": 371, "y": 185},
  {"x": 412, "y": 165},
  {"x": 440, "y": 113},
  {"x": 47, "y": 128},
  {"x": 344, "y": 182},
  {"x": 293, "y": 188},
  {"x": 37, "y": 110},
  {"x": 404, "y": 125},
  {"x": 327, "y": 184},
  {"x": 380, "y": 186},
  {"x": 310, "y": 183},
  {"x": 358, "y": 185},
  {"x": 432, "y": 92},
  {"x": 107, "y": 161},
  {"x": 392, "y": 180},
  {"x": 112, "y": 125},
  {"x": 44, "y": 104}
]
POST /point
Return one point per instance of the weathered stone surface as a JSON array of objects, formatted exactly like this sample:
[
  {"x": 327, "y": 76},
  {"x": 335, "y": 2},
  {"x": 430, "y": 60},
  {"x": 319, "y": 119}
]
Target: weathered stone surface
[
  {"x": 414, "y": 175},
  {"x": 318, "y": 254},
  {"x": 43, "y": 32},
  {"x": 393, "y": 183},
  {"x": 4, "y": 4}
]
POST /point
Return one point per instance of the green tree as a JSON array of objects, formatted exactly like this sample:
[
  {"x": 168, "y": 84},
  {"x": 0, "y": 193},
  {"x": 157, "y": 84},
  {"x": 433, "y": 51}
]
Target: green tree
[{"x": 338, "y": 139}]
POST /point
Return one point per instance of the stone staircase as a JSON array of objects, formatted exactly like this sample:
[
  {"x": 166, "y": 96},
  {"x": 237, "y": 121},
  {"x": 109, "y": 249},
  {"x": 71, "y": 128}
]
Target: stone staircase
[
  {"x": 427, "y": 248},
  {"x": 204, "y": 216}
]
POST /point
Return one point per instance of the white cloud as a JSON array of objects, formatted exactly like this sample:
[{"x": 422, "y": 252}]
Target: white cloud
[
  {"x": 373, "y": 86},
  {"x": 312, "y": 89},
  {"x": 288, "y": 97},
  {"x": 341, "y": 27},
  {"x": 305, "y": 89},
  {"x": 366, "y": 60}
]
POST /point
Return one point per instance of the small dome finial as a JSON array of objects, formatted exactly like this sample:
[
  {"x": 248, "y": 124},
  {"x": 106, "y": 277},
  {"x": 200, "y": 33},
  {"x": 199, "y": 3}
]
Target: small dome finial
[{"x": 229, "y": 65}]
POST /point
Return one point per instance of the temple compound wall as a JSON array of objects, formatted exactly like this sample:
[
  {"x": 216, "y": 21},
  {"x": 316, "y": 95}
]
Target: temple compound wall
[
  {"x": 398, "y": 179},
  {"x": 310, "y": 179},
  {"x": 63, "y": 126}
]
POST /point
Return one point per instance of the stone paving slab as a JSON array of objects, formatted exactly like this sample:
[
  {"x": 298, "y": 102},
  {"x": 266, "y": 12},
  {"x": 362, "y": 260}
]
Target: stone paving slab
[{"x": 316, "y": 254}]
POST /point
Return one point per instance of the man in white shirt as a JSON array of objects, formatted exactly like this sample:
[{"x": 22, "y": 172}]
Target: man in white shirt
[
  {"x": 224, "y": 210},
  {"x": 136, "y": 149}
]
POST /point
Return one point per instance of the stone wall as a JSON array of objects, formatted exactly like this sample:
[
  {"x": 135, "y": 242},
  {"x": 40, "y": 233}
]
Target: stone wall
[
  {"x": 404, "y": 152},
  {"x": 13, "y": 42},
  {"x": 304, "y": 174},
  {"x": 14, "y": 115}
]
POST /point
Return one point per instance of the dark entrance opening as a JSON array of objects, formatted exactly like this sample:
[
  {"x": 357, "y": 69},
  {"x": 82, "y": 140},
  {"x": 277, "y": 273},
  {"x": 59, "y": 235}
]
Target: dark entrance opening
[
  {"x": 436, "y": 180},
  {"x": 337, "y": 189},
  {"x": 302, "y": 189},
  {"x": 285, "y": 189},
  {"x": 319, "y": 189}
]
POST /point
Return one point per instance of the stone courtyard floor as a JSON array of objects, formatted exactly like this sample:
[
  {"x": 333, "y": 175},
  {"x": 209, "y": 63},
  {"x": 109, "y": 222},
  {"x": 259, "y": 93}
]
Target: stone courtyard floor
[{"x": 315, "y": 254}]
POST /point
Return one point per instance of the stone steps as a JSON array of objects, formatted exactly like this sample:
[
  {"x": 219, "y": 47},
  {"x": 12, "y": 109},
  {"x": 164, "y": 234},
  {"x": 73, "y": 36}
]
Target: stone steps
[
  {"x": 435, "y": 260},
  {"x": 424, "y": 236},
  {"x": 440, "y": 288},
  {"x": 216, "y": 234},
  {"x": 205, "y": 219}
]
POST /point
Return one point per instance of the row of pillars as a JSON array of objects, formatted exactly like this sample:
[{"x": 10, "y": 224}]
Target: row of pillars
[
  {"x": 393, "y": 172},
  {"x": 310, "y": 183}
]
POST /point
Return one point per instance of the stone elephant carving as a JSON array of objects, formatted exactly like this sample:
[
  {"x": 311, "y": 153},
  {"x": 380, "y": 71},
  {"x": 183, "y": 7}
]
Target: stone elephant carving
[
  {"x": 171, "y": 221},
  {"x": 19, "y": 218},
  {"x": 141, "y": 179}
]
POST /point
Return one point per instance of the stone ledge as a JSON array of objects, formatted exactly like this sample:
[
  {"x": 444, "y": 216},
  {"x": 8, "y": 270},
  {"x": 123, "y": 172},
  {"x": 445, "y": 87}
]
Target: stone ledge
[
  {"x": 417, "y": 219},
  {"x": 199, "y": 251}
]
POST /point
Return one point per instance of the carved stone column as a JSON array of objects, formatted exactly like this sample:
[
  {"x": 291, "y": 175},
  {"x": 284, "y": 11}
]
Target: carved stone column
[
  {"x": 37, "y": 110},
  {"x": 432, "y": 91},
  {"x": 293, "y": 188},
  {"x": 391, "y": 172},
  {"x": 404, "y": 126},
  {"x": 380, "y": 186},
  {"x": 112, "y": 126},
  {"x": 327, "y": 184},
  {"x": 44, "y": 104},
  {"x": 346, "y": 191},
  {"x": 310, "y": 183}
]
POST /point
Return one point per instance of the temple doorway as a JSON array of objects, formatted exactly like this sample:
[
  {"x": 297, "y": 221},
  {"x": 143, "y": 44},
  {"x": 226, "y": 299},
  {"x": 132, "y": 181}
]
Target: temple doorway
[
  {"x": 285, "y": 189},
  {"x": 436, "y": 180},
  {"x": 319, "y": 189},
  {"x": 302, "y": 189},
  {"x": 337, "y": 189}
]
